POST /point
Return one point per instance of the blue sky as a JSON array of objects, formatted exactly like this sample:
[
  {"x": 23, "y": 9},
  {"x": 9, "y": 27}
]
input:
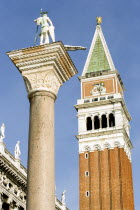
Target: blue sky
[{"x": 74, "y": 25}]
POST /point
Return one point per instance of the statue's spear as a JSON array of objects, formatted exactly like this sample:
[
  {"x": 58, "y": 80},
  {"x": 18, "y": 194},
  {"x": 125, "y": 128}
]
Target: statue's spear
[{"x": 36, "y": 35}]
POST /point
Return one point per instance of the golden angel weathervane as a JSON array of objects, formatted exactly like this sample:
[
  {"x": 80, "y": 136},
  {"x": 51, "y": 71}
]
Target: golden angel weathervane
[{"x": 99, "y": 20}]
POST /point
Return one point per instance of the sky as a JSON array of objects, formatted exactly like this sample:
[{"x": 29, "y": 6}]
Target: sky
[{"x": 75, "y": 23}]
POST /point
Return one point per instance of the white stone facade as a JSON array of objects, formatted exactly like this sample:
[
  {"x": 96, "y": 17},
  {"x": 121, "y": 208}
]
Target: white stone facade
[{"x": 13, "y": 183}]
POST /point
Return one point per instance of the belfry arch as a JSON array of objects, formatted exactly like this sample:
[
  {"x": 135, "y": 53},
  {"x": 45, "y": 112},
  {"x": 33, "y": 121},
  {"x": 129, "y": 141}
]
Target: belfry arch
[
  {"x": 89, "y": 123},
  {"x": 5, "y": 206},
  {"x": 111, "y": 120},
  {"x": 96, "y": 122},
  {"x": 104, "y": 121}
]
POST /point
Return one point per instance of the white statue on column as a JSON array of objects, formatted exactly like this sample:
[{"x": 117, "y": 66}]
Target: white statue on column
[
  {"x": 63, "y": 198},
  {"x": 47, "y": 28},
  {"x": 2, "y": 132},
  {"x": 17, "y": 150}
]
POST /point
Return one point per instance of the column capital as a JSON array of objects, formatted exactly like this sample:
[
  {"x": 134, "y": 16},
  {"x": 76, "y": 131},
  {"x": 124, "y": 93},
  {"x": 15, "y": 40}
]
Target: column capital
[
  {"x": 44, "y": 67},
  {"x": 42, "y": 81}
]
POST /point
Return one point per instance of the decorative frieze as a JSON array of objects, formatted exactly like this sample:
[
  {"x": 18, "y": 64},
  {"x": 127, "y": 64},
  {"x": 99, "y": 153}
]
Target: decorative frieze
[{"x": 101, "y": 145}]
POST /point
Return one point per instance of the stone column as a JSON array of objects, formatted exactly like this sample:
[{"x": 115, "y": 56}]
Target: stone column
[
  {"x": 44, "y": 69},
  {"x": 41, "y": 152},
  {"x": 100, "y": 121},
  {"x": 93, "y": 123},
  {"x": 107, "y": 116}
]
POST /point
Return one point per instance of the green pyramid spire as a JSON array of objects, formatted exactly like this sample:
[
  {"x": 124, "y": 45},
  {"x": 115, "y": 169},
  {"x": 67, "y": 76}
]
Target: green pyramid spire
[{"x": 98, "y": 60}]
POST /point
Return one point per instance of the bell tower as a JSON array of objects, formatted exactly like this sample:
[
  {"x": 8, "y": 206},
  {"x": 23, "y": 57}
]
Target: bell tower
[{"x": 105, "y": 171}]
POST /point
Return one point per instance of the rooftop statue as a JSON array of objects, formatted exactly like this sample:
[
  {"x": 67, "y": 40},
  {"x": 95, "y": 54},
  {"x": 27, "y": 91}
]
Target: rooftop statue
[
  {"x": 47, "y": 28},
  {"x": 17, "y": 150},
  {"x": 2, "y": 132},
  {"x": 63, "y": 197}
]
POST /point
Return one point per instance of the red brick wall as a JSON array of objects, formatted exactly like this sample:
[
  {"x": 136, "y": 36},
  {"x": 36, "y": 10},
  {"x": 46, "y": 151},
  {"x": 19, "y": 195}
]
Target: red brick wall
[
  {"x": 109, "y": 181},
  {"x": 105, "y": 179},
  {"x": 84, "y": 182},
  {"x": 95, "y": 198},
  {"x": 115, "y": 179},
  {"x": 126, "y": 180}
]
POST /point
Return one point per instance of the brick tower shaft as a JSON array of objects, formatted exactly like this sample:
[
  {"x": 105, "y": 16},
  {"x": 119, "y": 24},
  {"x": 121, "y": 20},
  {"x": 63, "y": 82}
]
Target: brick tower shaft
[{"x": 109, "y": 181}]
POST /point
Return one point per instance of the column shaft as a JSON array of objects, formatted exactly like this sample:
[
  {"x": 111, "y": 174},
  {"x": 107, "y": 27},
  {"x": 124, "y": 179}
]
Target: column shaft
[{"x": 40, "y": 181}]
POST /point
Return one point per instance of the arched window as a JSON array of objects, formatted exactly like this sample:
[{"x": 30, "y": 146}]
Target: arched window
[
  {"x": 5, "y": 206},
  {"x": 96, "y": 122},
  {"x": 104, "y": 121},
  {"x": 89, "y": 123},
  {"x": 21, "y": 208},
  {"x": 111, "y": 120}
]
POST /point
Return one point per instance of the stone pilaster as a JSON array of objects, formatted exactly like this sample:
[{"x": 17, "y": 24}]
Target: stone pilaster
[
  {"x": 44, "y": 69},
  {"x": 2, "y": 146},
  {"x": 64, "y": 206},
  {"x": 17, "y": 162}
]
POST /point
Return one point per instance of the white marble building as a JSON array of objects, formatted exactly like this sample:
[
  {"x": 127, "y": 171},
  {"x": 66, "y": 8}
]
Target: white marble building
[{"x": 13, "y": 183}]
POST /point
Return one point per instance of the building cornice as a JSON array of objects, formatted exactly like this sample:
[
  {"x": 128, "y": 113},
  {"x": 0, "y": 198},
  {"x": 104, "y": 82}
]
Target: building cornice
[
  {"x": 105, "y": 102},
  {"x": 104, "y": 133},
  {"x": 109, "y": 140},
  {"x": 103, "y": 73},
  {"x": 27, "y": 58},
  {"x": 97, "y": 74},
  {"x": 13, "y": 171}
]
